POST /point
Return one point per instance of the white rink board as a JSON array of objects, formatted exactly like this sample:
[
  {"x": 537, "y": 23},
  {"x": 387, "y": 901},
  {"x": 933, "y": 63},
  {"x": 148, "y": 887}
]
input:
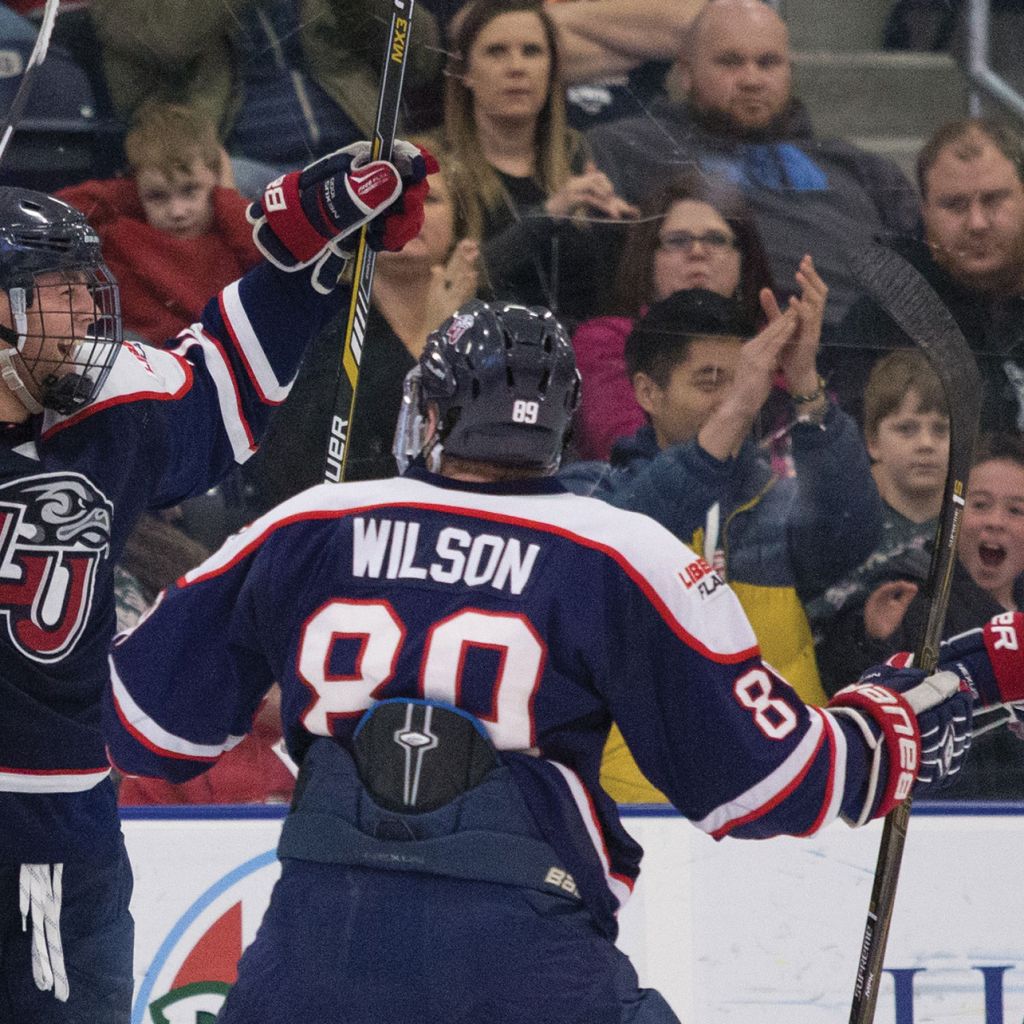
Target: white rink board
[{"x": 730, "y": 932}]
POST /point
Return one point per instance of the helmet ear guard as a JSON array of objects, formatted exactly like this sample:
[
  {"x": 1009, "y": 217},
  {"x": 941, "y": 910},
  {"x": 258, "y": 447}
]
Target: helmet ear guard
[{"x": 505, "y": 383}]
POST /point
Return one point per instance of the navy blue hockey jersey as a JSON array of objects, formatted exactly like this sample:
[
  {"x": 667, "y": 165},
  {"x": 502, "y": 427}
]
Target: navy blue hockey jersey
[
  {"x": 166, "y": 425},
  {"x": 543, "y": 613}
]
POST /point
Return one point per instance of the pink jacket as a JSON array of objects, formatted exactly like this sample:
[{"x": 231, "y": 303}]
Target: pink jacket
[{"x": 608, "y": 409}]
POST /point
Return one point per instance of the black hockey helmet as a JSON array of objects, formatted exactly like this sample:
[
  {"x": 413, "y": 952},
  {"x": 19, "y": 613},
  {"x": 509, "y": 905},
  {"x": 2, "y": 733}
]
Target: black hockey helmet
[
  {"x": 64, "y": 306},
  {"x": 505, "y": 383}
]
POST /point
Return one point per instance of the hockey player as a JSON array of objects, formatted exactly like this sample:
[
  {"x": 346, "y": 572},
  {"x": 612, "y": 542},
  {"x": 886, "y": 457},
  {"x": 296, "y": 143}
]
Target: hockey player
[
  {"x": 93, "y": 432},
  {"x": 452, "y": 646}
]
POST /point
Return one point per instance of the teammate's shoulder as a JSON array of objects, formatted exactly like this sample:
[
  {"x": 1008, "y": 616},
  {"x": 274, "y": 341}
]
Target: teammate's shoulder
[{"x": 144, "y": 369}]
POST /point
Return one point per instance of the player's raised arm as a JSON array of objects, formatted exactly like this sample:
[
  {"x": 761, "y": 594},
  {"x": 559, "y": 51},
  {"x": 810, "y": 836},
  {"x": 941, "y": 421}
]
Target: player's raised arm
[{"x": 723, "y": 735}]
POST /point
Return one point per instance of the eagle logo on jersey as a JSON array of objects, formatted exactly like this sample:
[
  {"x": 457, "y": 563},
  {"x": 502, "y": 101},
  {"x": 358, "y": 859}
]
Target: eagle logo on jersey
[{"x": 54, "y": 532}]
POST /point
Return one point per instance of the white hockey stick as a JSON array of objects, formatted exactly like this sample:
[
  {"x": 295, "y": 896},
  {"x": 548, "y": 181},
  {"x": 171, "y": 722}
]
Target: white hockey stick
[{"x": 35, "y": 58}]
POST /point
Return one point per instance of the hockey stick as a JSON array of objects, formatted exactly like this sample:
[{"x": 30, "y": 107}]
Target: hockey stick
[
  {"x": 344, "y": 405},
  {"x": 901, "y": 291},
  {"x": 35, "y": 58}
]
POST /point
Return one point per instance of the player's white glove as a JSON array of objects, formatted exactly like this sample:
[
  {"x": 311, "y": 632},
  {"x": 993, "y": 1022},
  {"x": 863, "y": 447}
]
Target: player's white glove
[{"x": 302, "y": 217}]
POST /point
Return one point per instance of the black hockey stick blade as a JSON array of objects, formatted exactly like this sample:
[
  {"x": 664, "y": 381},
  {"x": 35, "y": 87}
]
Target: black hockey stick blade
[
  {"x": 911, "y": 302},
  {"x": 35, "y": 58},
  {"x": 347, "y": 378}
]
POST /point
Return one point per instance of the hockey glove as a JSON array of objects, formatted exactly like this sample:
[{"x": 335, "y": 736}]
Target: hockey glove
[
  {"x": 991, "y": 659},
  {"x": 303, "y": 217},
  {"x": 922, "y": 722}
]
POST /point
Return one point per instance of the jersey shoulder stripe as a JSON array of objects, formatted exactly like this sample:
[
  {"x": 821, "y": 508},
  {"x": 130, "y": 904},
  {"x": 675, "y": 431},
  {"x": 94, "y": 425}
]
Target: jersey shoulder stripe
[
  {"x": 153, "y": 736},
  {"x": 229, "y": 397},
  {"x": 139, "y": 373},
  {"x": 656, "y": 562}
]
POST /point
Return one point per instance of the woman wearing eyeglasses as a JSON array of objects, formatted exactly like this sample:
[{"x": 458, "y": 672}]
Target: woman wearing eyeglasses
[{"x": 693, "y": 234}]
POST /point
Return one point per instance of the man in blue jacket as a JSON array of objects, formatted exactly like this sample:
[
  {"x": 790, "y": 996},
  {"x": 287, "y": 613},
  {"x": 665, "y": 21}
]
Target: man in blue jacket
[{"x": 696, "y": 469}]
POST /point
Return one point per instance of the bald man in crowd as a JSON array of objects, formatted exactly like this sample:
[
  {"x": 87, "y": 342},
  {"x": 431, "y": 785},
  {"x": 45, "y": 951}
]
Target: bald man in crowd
[{"x": 740, "y": 123}]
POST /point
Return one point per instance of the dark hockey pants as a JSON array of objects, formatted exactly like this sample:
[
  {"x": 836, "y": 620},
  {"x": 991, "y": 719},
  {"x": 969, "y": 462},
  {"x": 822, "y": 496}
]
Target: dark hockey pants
[
  {"x": 352, "y": 945},
  {"x": 96, "y": 933},
  {"x": 456, "y": 923}
]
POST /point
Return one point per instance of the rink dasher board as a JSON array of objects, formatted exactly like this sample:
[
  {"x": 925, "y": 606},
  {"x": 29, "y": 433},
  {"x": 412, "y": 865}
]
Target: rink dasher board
[{"x": 730, "y": 932}]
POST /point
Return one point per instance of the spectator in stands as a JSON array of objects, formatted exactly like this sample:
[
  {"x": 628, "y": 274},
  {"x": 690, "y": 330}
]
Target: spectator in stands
[
  {"x": 284, "y": 81},
  {"x": 617, "y": 54},
  {"x": 170, "y": 232},
  {"x": 741, "y": 122},
  {"x": 156, "y": 554},
  {"x": 695, "y": 469},
  {"x": 73, "y": 30},
  {"x": 692, "y": 235},
  {"x": 987, "y": 581},
  {"x": 906, "y": 426},
  {"x": 971, "y": 177},
  {"x": 414, "y": 291},
  {"x": 524, "y": 177}
]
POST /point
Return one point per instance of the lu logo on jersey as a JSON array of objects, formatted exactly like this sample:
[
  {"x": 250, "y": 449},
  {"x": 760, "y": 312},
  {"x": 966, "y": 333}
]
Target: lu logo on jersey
[{"x": 54, "y": 532}]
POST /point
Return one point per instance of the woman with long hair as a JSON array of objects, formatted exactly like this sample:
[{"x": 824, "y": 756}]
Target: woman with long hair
[
  {"x": 691, "y": 234},
  {"x": 525, "y": 179}
]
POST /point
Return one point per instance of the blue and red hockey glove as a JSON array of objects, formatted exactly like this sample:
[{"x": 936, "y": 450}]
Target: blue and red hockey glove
[
  {"x": 991, "y": 659},
  {"x": 922, "y": 723},
  {"x": 303, "y": 217},
  {"x": 980, "y": 687}
]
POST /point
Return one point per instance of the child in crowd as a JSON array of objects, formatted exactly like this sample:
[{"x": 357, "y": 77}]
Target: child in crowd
[
  {"x": 906, "y": 427},
  {"x": 987, "y": 581},
  {"x": 170, "y": 232}
]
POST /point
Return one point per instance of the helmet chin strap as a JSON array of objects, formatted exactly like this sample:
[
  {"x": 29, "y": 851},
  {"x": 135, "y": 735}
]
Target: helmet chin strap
[
  {"x": 8, "y": 368},
  {"x": 13, "y": 382}
]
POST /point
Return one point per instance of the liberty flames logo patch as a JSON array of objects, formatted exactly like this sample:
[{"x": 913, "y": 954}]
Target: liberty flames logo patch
[{"x": 54, "y": 534}]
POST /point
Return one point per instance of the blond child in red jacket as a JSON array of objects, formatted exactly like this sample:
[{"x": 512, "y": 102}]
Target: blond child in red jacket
[{"x": 170, "y": 231}]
